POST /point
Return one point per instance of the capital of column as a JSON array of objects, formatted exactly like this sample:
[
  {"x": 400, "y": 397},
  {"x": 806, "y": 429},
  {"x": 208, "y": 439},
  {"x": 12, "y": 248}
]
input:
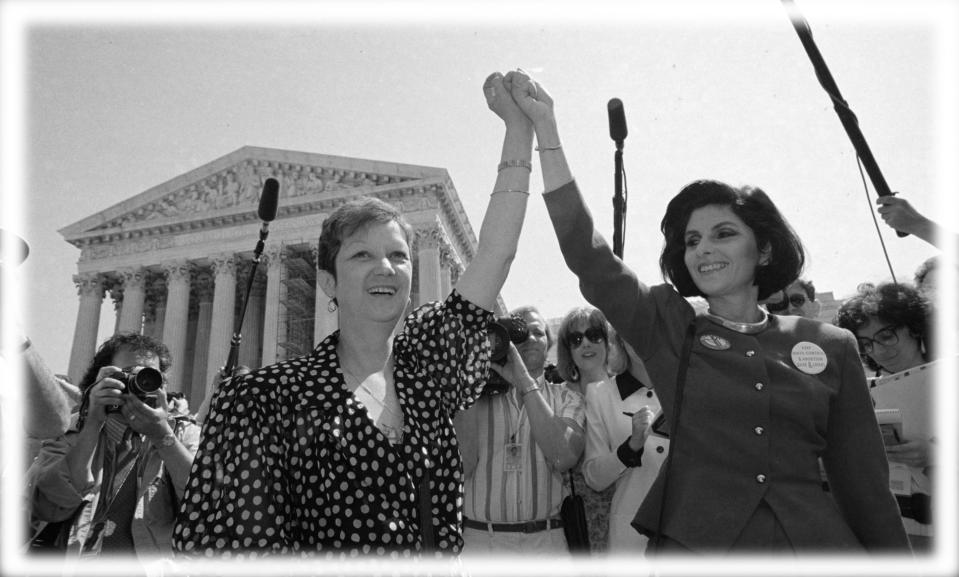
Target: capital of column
[
  {"x": 275, "y": 257},
  {"x": 133, "y": 278},
  {"x": 448, "y": 258},
  {"x": 224, "y": 264},
  {"x": 90, "y": 285},
  {"x": 177, "y": 271},
  {"x": 428, "y": 236}
]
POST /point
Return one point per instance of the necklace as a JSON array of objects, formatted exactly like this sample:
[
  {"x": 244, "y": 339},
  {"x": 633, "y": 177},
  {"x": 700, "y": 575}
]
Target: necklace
[
  {"x": 387, "y": 416},
  {"x": 740, "y": 327}
]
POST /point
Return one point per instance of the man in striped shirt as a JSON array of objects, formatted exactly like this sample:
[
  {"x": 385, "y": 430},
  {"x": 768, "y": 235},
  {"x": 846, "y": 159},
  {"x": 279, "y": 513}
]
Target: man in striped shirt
[{"x": 516, "y": 447}]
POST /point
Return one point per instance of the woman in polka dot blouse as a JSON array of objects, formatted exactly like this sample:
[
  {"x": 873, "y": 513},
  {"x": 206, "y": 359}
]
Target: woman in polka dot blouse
[{"x": 328, "y": 454}]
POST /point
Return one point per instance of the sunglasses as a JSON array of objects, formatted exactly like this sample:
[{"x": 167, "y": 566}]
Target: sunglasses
[
  {"x": 794, "y": 300},
  {"x": 886, "y": 336},
  {"x": 594, "y": 335}
]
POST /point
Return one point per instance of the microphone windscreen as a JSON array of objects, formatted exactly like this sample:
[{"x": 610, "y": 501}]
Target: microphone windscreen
[
  {"x": 269, "y": 198},
  {"x": 617, "y": 120}
]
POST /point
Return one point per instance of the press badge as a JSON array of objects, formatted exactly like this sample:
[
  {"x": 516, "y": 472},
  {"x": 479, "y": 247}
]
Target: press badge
[{"x": 513, "y": 457}]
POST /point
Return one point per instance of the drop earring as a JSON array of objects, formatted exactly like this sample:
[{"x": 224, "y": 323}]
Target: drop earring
[{"x": 332, "y": 305}]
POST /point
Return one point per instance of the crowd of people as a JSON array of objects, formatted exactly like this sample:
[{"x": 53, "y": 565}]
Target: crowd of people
[{"x": 744, "y": 426}]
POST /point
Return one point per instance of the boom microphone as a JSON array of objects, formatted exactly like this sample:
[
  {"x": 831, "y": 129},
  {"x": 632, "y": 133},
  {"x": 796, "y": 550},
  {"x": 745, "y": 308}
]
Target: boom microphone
[
  {"x": 268, "y": 200},
  {"x": 617, "y": 121}
]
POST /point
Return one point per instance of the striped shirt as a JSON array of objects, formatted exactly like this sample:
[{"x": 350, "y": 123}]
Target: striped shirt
[{"x": 532, "y": 490}]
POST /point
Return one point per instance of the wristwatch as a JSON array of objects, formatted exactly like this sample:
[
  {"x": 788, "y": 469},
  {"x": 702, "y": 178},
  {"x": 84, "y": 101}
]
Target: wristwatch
[{"x": 168, "y": 440}]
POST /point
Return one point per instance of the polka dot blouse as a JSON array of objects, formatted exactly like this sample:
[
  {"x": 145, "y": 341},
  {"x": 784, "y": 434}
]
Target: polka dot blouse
[{"x": 290, "y": 462}]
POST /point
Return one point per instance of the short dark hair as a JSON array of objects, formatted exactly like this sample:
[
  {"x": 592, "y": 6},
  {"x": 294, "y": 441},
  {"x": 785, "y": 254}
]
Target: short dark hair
[
  {"x": 891, "y": 303},
  {"x": 139, "y": 344},
  {"x": 593, "y": 318},
  {"x": 756, "y": 210},
  {"x": 350, "y": 217}
]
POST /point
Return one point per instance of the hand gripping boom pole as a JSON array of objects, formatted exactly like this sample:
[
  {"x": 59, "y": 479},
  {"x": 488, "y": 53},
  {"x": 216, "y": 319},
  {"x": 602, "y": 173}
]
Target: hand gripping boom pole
[{"x": 846, "y": 116}]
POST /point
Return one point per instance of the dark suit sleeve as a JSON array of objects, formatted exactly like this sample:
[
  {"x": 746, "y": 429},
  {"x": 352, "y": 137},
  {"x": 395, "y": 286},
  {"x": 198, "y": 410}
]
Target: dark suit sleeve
[
  {"x": 855, "y": 460},
  {"x": 604, "y": 280}
]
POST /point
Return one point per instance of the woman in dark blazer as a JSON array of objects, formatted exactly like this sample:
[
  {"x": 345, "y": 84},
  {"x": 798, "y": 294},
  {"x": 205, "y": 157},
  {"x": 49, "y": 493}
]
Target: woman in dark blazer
[{"x": 765, "y": 396}]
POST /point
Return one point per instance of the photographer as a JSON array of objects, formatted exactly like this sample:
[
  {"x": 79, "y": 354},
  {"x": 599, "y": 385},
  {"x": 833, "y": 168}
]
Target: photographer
[
  {"x": 111, "y": 484},
  {"x": 516, "y": 445}
]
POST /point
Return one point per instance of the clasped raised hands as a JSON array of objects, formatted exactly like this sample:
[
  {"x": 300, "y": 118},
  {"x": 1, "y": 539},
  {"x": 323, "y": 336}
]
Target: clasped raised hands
[{"x": 517, "y": 98}]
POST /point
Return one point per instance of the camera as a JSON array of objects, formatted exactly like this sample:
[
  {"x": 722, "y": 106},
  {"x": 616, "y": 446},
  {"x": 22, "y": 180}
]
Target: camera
[
  {"x": 501, "y": 333},
  {"x": 144, "y": 382}
]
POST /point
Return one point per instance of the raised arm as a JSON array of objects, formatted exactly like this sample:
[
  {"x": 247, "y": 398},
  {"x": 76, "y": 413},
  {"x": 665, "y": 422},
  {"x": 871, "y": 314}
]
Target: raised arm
[
  {"x": 48, "y": 403},
  {"x": 603, "y": 278},
  {"x": 537, "y": 105},
  {"x": 560, "y": 435},
  {"x": 499, "y": 234}
]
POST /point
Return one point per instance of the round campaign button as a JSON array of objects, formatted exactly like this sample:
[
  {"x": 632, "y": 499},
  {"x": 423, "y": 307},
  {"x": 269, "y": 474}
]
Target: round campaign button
[
  {"x": 809, "y": 358},
  {"x": 715, "y": 342}
]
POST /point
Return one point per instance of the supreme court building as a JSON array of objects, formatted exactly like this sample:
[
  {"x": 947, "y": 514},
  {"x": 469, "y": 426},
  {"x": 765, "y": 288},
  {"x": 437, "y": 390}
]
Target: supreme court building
[{"x": 176, "y": 259}]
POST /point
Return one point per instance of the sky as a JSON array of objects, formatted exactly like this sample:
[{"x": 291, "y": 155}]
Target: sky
[
  {"x": 102, "y": 101},
  {"x": 117, "y": 103}
]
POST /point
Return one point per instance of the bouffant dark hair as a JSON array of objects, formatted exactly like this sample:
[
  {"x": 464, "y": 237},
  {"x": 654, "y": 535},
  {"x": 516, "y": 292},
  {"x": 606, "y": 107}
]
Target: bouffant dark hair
[
  {"x": 754, "y": 207},
  {"x": 350, "y": 217},
  {"x": 890, "y": 303}
]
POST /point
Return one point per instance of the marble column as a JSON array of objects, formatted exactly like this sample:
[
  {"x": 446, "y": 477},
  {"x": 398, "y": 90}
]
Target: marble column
[
  {"x": 131, "y": 312},
  {"x": 175, "y": 319},
  {"x": 324, "y": 321},
  {"x": 224, "y": 305},
  {"x": 90, "y": 288},
  {"x": 428, "y": 241},
  {"x": 203, "y": 287},
  {"x": 274, "y": 257}
]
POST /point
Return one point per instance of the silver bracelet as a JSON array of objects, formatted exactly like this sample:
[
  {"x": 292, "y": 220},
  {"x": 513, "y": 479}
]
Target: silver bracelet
[
  {"x": 544, "y": 148},
  {"x": 526, "y": 192},
  {"x": 535, "y": 387},
  {"x": 518, "y": 163}
]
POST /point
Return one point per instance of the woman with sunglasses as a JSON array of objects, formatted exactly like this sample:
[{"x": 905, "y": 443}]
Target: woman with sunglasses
[
  {"x": 798, "y": 299},
  {"x": 763, "y": 396},
  {"x": 582, "y": 360},
  {"x": 621, "y": 453},
  {"x": 892, "y": 323}
]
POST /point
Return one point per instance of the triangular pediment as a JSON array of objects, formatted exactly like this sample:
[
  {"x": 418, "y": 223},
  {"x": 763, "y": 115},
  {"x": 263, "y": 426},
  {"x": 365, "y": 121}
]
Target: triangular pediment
[{"x": 226, "y": 191}]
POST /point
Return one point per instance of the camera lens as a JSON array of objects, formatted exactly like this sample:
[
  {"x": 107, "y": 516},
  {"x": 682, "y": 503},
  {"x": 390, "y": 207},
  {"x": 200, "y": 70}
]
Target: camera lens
[
  {"x": 498, "y": 337},
  {"x": 146, "y": 380}
]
